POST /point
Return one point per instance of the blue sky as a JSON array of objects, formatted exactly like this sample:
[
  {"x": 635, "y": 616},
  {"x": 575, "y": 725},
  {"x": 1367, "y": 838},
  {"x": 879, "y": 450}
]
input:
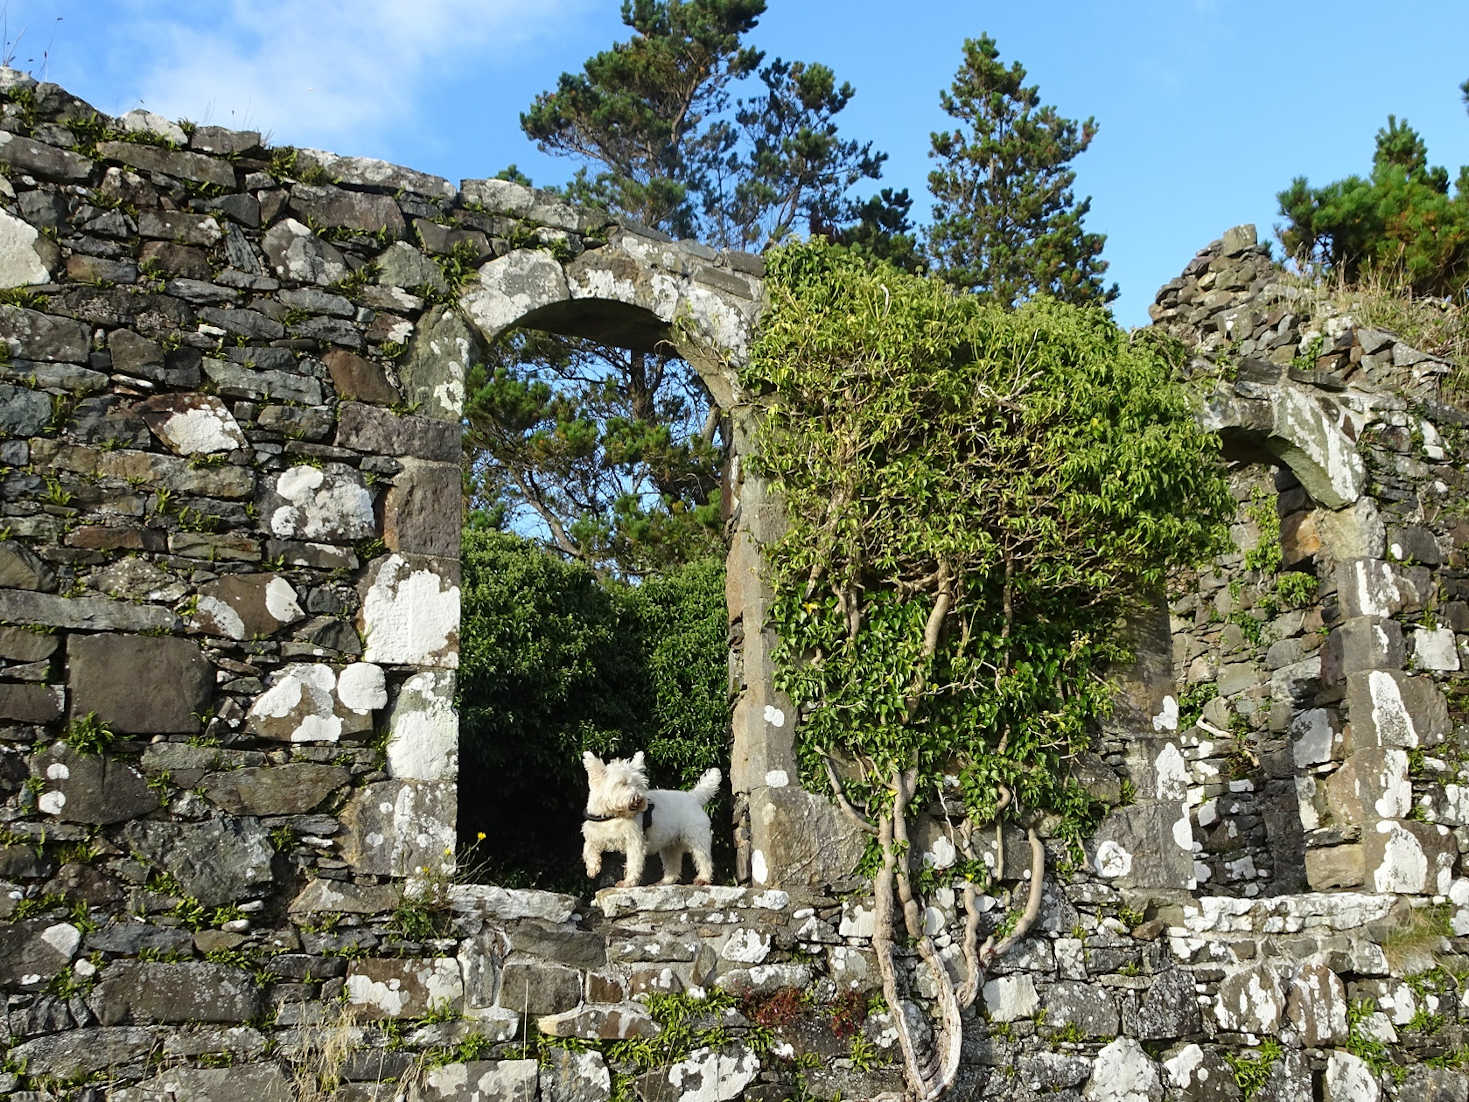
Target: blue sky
[{"x": 1206, "y": 107}]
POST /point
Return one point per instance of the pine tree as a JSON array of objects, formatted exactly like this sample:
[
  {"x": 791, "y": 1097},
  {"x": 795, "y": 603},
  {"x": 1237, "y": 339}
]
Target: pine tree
[
  {"x": 613, "y": 456},
  {"x": 1006, "y": 224},
  {"x": 1400, "y": 222}
]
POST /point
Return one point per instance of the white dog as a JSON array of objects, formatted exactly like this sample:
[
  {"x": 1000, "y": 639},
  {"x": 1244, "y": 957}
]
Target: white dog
[{"x": 623, "y": 816}]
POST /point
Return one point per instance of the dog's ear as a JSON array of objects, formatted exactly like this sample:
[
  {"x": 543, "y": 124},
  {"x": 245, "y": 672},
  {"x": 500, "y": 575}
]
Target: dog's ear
[
  {"x": 593, "y": 764},
  {"x": 637, "y": 760}
]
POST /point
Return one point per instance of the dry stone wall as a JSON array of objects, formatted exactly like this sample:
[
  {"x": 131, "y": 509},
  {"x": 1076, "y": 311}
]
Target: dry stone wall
[{"x": 230, "y": 382}]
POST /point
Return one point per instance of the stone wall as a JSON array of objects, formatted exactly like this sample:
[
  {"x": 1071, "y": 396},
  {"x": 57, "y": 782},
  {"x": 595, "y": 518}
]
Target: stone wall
[{"x": 229, "y": 389}]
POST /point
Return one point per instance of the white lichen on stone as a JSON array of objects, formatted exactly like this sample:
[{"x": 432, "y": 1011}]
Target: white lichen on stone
[
  {"x": 321, "y": 505},
  {"x": 20, "y": 263},
  {"x": 1112, "y": 860},
  {"x": 1167, "y": 718},
  {"x": 410, "y": 616},
  {"x": 423, "y": 738},
  {"x": 206, "y": 427},
  {"x": 280, "y": 601},
  {"x": 362, "y": 687}
]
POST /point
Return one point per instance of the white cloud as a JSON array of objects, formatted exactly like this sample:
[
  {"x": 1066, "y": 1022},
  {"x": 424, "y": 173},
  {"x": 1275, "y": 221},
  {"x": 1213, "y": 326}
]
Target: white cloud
[{"x": 316, "y": 72}]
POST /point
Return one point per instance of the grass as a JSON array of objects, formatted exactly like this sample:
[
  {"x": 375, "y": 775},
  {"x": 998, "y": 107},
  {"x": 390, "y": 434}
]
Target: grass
[
  {"x": 1413, "y": 940},
  {"x": 1382, "y": 300}
]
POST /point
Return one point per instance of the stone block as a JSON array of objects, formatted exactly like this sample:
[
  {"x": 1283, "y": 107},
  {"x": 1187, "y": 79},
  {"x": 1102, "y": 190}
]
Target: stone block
[
  {"x": 1435, "y": 649},
  {"x": 1092, "y": 1009},
  {"x": 360, "y": 380},
  {"x": 338, "y": 208},
  {"x": 291, "y": 789},
  {"x": 1362, "y": 643},
  {"x": 24, "y": 606},
  {"x": 241, "y": 381},
  {"x": 1372, "y": 587},
  {"x": 1329, "y": 867},
  {"x": 539, "y": 988},
  {"x": 1349, "y": 1079},
  {"x": 1373, "y": 784},
  {"x": 323, "y": 504},
  {"x": 259, "y": 1082},
  {"x": 34, "y": 950},
  {"x": 1251, "y": 1000},
  {"x": 246, "y": 606},
  {"x": 605, "y": 1022},
  {"x": 89, "y": 788},
  {"x": 410, "y": 612},
  {"x": 295, "y": 253},
  {"x": 481, "y": 1081},
  {"x": 218, "y": 861},
  {"x": 186, "y": 991},
  {"x": 423, "y": 729},
  {"x": 393, "y": 828},
  {"x": 512, "y": 286},
  {"x": 388, "y": 987},
  {"x": 1168, "y": 1008},
  {"x": 31, "y": 335},
  {"x": 1414, "y": 543},
  {"x": 1409, "y": 858},
  {"x": 1316, "y": 1005},
  {"x": 1123, "y": 1072},
  {"x": 799, "y": 839},
  {"x": 1309, "y": 437},
  {"x": 192, "y": 424},
  {"x": 421, "y": 510},
  {"x": 1390, "y": 708},
  {"x": 1010, "y": 998},
  {"x": 344, "y": 897},
  {"x": 139, "y": 684},
  {"x": 1314, "y": 738},
  {"x": 1148, "y": 844},
  {"x": 29, "y": 703},
  {"x": 379, "y": 431},
  {"x": 568, "y": 1076},
  {"x": 438, "y": 360},
  {"x": 83, "y": 1052}
]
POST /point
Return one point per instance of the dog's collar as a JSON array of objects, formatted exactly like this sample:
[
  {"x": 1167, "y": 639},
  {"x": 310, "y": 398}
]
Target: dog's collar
[{"x": 647, "y": 817}]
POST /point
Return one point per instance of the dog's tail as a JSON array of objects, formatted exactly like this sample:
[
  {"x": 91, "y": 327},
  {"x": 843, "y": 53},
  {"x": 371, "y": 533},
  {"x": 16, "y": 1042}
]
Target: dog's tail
[{"x": 708, "y": 785}]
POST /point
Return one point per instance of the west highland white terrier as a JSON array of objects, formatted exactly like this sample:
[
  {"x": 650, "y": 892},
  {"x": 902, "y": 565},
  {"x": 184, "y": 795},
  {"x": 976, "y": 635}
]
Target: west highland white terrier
[{"x": 624, "y": 816}]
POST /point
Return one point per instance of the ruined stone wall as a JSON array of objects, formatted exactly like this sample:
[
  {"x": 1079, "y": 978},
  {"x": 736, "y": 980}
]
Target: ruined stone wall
[{"x": 229, "y": 396}]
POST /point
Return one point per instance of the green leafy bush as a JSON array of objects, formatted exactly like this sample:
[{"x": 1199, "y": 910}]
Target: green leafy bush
[
  {"x": 1033, "y": 470},
  {"x": 554, "y": 662}
]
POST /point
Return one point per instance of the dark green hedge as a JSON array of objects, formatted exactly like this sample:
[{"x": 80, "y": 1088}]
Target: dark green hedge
[{"x": 552, "y": 663}]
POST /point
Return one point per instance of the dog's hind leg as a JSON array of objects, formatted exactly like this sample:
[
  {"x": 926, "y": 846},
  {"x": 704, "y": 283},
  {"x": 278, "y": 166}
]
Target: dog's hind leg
[
  {"x": 672, "y": 858},
  {"x": 703, "y": 862}
]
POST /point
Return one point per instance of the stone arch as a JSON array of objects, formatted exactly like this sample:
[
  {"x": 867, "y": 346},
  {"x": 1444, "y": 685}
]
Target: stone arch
[
  {"x": 636, "y": 289},
  {"x": 1312, "y": 436}
]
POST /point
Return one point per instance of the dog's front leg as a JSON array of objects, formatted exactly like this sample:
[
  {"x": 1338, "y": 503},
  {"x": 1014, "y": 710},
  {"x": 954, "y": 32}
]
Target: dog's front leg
[
  {"x": 636, "y": 854},
  {"x": 591, "y": 857}
]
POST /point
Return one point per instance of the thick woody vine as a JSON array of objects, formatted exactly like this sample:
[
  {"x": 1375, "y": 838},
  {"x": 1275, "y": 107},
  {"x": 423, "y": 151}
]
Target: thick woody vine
[{"x": 975, "y": 497}]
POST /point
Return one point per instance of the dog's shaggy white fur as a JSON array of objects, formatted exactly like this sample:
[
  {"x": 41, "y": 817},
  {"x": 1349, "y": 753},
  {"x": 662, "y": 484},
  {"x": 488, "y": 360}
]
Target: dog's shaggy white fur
[{"x": 624, "y": 816}]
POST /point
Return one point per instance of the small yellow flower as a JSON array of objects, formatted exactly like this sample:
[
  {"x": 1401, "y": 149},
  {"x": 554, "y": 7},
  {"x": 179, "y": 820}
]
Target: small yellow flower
[{"x": 480, "y": 836}]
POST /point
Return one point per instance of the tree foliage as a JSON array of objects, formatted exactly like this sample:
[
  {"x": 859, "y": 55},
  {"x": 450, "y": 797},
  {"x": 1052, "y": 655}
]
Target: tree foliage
[
  {"x": 1400, "y": 222},
  {"x": 975, "y": 496},
  {"x": 553, "y": 662},
  {"x": 1006, "y": 224},
  {"x": 613, "y": 455}
]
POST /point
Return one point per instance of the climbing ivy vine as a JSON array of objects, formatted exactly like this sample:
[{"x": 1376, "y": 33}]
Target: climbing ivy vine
[{"x": 976, "y": 497}]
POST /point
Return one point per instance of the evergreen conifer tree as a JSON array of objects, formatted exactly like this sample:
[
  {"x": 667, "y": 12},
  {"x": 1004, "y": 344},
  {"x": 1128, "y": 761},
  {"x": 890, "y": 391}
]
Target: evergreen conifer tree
[
  {"x": 613, "y": 454},
  {"x": 1005, "y": 222}
]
